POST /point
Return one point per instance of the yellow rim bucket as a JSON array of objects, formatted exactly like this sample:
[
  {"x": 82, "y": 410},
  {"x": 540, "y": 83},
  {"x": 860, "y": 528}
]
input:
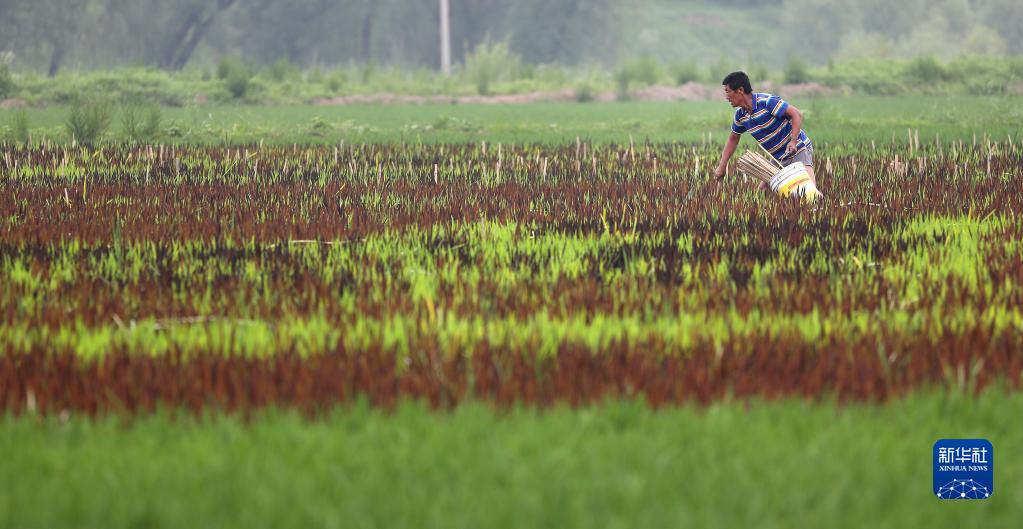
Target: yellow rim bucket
[{"x": 793, "y": 181}]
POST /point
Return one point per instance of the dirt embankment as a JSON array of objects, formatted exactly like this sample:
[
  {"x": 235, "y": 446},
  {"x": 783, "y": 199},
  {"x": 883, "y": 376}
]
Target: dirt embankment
[{"x": 11, "y": 103}]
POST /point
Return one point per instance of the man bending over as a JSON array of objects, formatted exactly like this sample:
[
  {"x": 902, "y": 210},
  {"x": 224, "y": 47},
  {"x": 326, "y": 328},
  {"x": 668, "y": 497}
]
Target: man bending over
[{"x": 772, "y": 121}]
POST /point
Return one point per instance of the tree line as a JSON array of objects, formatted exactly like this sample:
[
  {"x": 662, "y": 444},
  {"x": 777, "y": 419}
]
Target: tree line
[
  {"x": 169, "y": 34},
  {"x": 51, "y": 35}
]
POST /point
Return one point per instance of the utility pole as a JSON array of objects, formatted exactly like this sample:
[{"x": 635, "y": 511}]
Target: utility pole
[{"x": 445, "y": 38}]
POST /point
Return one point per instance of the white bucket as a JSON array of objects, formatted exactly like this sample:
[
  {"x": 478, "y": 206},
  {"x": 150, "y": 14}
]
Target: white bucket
[{"x": 793, "y": 181}]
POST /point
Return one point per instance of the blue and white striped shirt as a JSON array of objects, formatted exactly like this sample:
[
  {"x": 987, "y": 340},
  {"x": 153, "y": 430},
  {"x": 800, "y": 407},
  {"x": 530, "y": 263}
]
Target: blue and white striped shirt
[{"x": 768, "y": 124}]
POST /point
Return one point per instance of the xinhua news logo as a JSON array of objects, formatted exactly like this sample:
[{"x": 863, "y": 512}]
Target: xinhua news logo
[{"x": 963, "y": 469}]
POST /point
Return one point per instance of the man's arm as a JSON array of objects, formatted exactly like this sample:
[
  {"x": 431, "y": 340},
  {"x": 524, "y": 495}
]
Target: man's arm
[
  {"x": 726, "y": 154},
  {"x": 796, "y": 116}
]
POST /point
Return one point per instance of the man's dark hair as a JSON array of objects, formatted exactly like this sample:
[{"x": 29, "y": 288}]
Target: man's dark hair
[{"x": 737, "y": 80}]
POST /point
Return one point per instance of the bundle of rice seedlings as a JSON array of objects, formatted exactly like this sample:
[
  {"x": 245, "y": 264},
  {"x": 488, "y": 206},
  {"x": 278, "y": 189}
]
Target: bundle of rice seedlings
[
  {"x": 757, "y": 166},
  {"x": 790, "y": 181}
]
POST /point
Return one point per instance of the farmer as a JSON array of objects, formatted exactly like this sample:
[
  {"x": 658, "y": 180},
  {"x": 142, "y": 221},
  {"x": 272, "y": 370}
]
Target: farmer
[{"x": 772, "y": 121}]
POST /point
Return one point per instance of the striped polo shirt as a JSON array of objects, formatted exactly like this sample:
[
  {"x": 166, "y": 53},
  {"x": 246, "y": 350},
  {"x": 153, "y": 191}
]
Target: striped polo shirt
[{"x": 768, "y": 124}]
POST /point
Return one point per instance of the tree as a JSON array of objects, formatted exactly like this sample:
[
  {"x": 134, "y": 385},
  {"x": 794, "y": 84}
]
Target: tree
[
  {"x": 43, "y": 30},
  {"x": 192, "y": 27},
  {"x": 445, "y": 37},
  {"x": 161, "y": 33},
  {"x": 1006, "y": 16}
]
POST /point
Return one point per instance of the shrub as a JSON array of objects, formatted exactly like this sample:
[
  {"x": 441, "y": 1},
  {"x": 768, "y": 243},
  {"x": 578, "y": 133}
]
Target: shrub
[
  {"x": 985, "y": 86},
  {"x": 526, "y": 71},
  {"x": 151, "y": 124},
  {"x": 131, "y": 85},
  {"x": 319, "y": 127},
  {"x": 282, "y": 69},
  {"x": 717, "y": 71},
  {"x": 796, "y": 71},
  {"x": 6, "y": 81},
  {"x": 367, "y": 72},
  {"x": 584, "y": 92},
  {"x": 643, "y": 71},
  {"x": 20, "y": 131},
  {"x": 490, "y": 63},
  {"x": 622, "y": 81},
  {"x": 1015, "y": 67},
  {"x": 684, "y": 72},
  {"x": 925, "y": 70},
  {"x": 88, "y": 120},
  {"x": 237, "y": 82},
  {"x": 314, "y": 76},
  {"x": 336, "y": 81},
  {"x": 758, "y": 73},
  {"x": 983, "y": 40},
  {"x": 140, "y": 124},
  {"x": 225, "y": 66},
  {"x": 131, "y": 122},
  {"x": 236, "y": 76}
]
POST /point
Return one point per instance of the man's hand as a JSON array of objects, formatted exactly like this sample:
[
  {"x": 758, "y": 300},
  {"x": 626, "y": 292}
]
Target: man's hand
[
  {"x": 726, "y": 153},
  {"x": 793, "y": 145}
]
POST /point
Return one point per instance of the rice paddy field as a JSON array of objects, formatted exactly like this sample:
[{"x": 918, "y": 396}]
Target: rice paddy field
[{"x": 484, "y": 333}]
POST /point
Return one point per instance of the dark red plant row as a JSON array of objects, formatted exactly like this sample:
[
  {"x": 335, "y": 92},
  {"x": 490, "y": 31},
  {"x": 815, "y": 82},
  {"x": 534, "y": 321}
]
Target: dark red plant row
[{"x": 46, "y": 383}]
